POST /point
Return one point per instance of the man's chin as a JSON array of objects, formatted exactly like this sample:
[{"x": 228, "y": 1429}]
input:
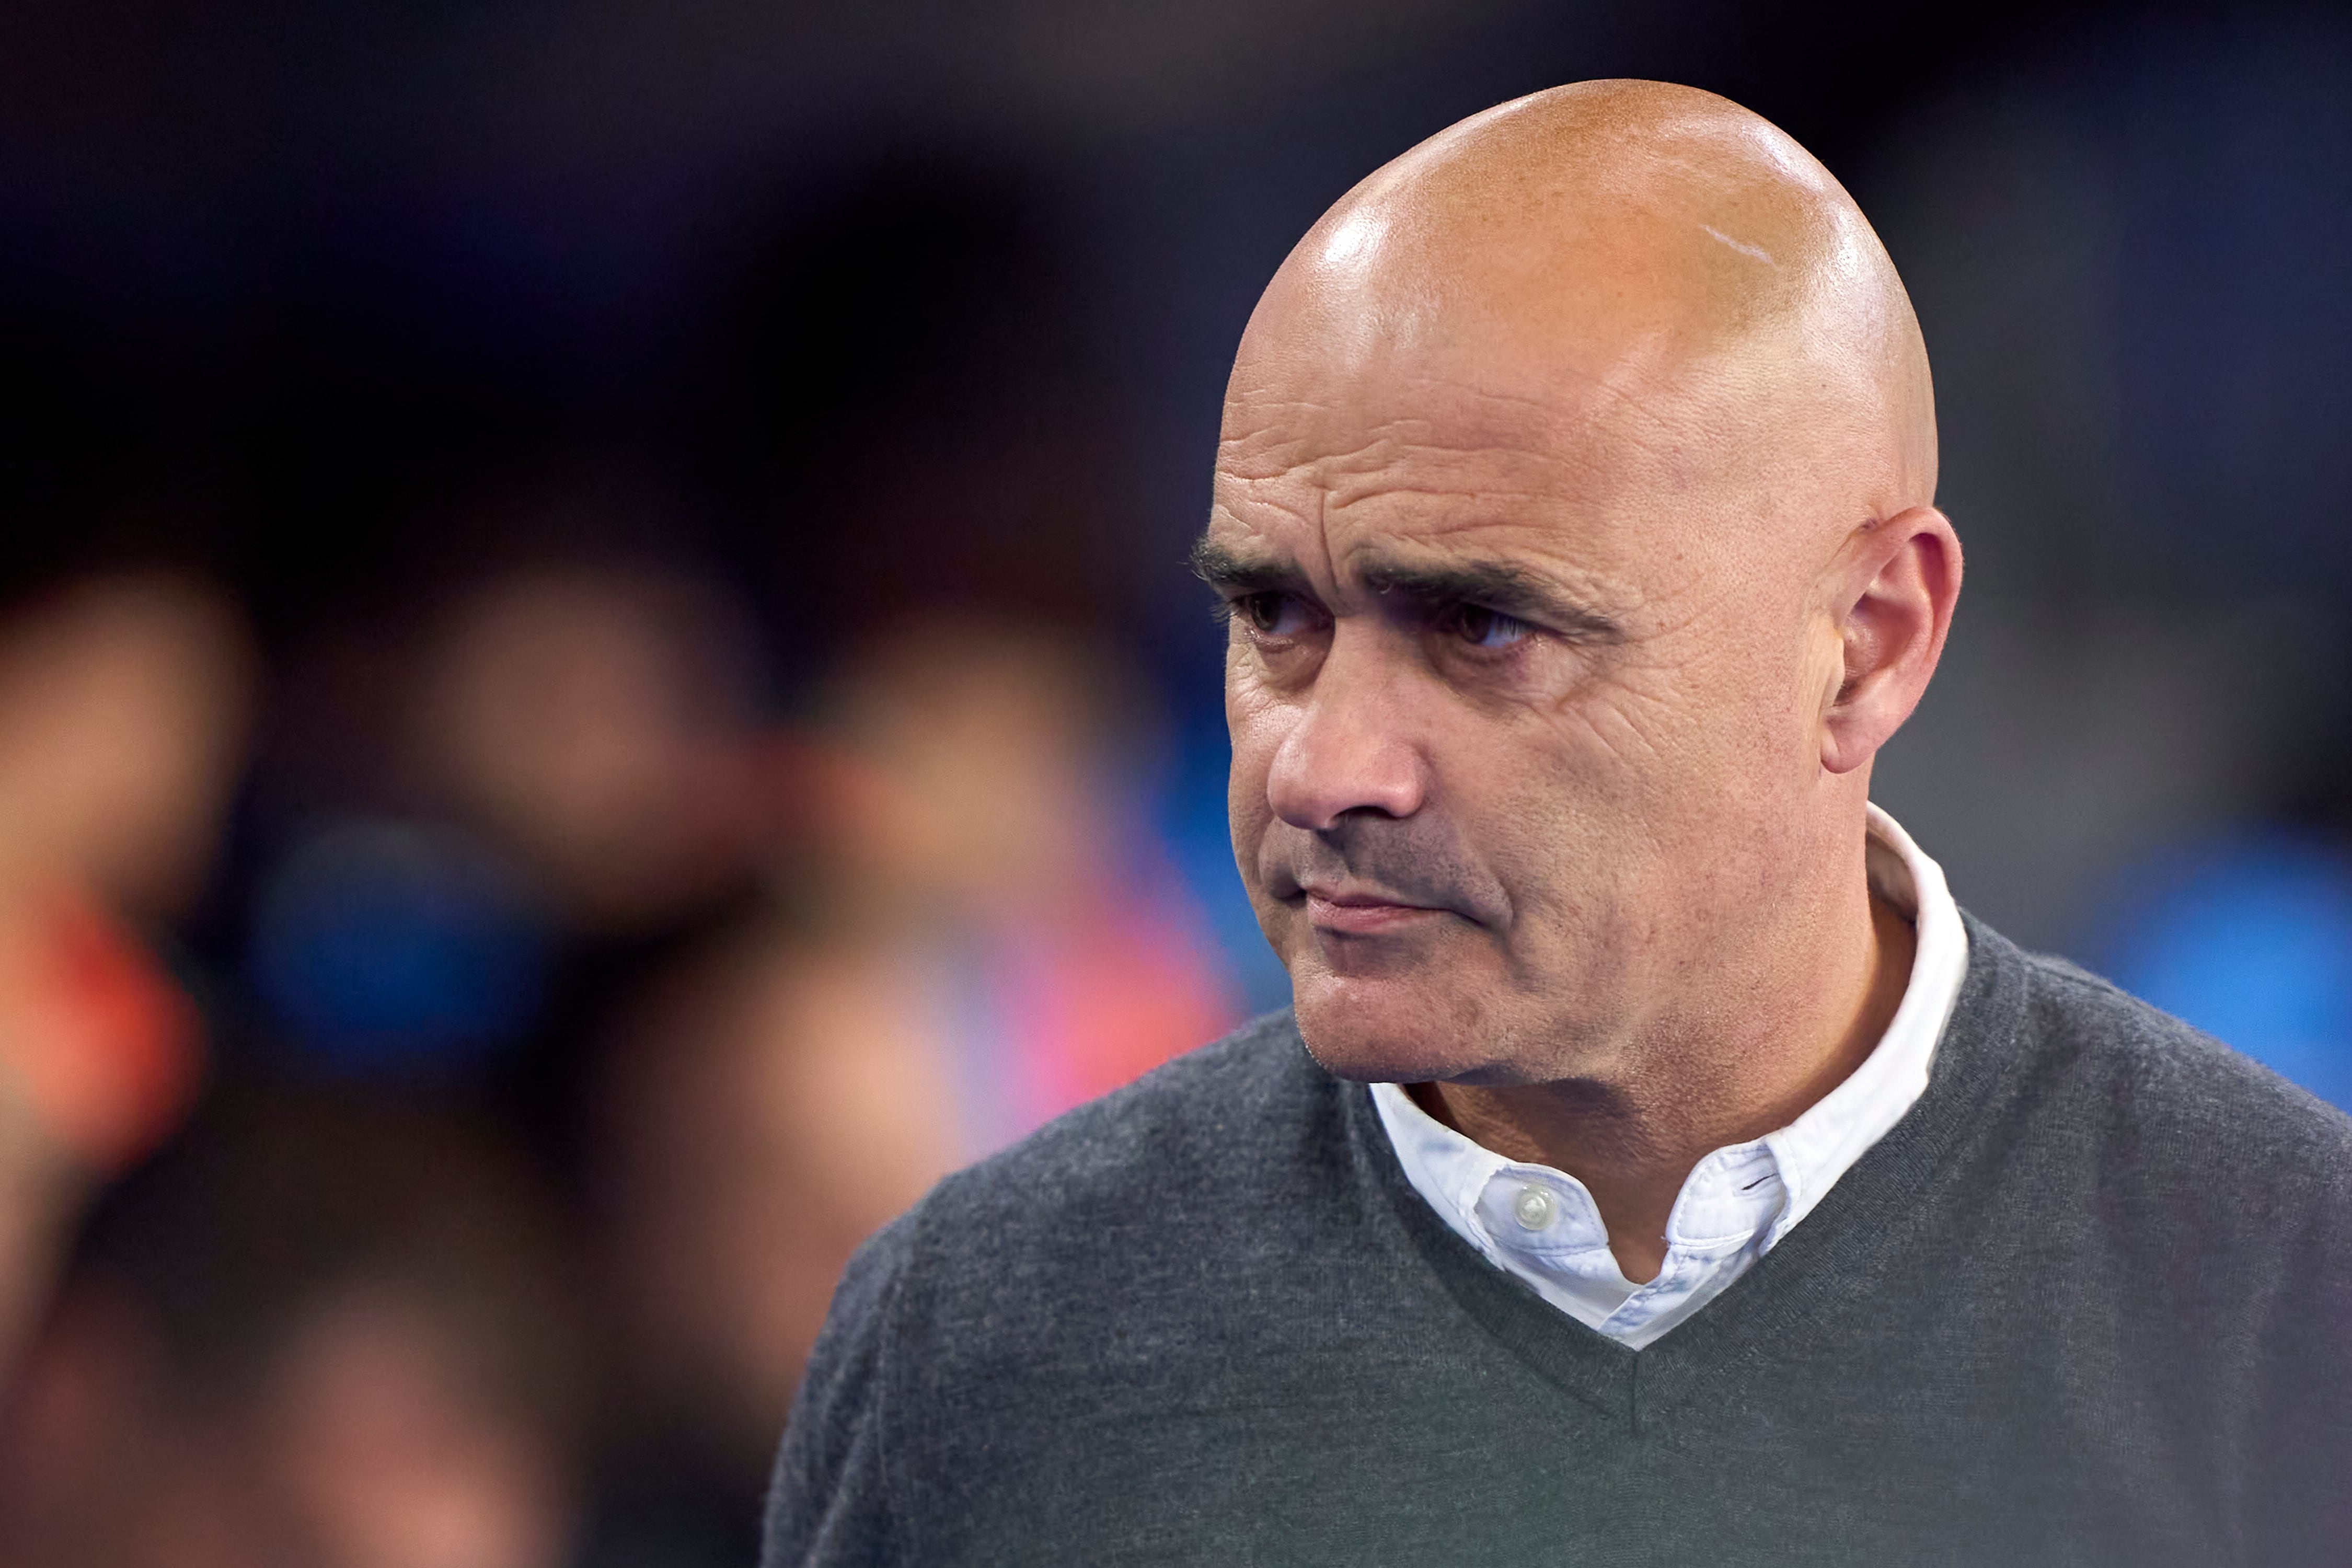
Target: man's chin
[{"x": 1391, "y": 1031}]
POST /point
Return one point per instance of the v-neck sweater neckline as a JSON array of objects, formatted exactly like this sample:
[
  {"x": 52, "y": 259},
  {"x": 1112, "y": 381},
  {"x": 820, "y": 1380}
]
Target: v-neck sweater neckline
[{"x": 1800, "y": 1293}]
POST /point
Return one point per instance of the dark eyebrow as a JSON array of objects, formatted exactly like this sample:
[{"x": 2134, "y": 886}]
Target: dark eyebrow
[
  {"x": 1235, "y": 576},
  {"x": 1496, "y": 586},
  {"x": 1491, "y": 585}
]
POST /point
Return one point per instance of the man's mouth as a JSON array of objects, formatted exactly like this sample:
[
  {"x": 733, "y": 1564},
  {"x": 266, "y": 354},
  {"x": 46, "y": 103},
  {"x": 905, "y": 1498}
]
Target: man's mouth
[{"x": 1354, "y": 912}]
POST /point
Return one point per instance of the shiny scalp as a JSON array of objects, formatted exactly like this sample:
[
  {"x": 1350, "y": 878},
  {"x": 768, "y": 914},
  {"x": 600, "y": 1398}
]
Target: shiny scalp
[{"x": 1657, "y": 239}]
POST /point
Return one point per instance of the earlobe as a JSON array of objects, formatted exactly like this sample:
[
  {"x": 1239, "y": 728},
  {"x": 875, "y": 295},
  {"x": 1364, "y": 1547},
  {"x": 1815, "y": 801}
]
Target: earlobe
[{"x": 1903, "y": 579}]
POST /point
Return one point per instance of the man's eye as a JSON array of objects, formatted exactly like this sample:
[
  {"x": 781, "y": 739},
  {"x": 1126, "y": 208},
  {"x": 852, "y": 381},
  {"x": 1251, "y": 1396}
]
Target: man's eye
[
  {"x": 1274, "y": 615},
  {"x": 1486, "y": 628}
]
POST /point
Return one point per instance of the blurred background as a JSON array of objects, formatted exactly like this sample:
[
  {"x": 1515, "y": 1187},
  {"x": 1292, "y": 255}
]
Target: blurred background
[{"x": 597, "y": 685}]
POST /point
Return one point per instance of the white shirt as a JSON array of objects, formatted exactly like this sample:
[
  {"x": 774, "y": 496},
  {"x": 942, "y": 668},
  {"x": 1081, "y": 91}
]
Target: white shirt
[{"x": 1541, "y": 1224}]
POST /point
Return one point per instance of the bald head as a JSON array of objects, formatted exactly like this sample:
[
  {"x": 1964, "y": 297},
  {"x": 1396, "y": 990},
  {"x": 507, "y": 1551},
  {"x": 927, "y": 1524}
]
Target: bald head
[
  {"x": 1649, "y": 258},
  {"x": 1572, "y": 513}
]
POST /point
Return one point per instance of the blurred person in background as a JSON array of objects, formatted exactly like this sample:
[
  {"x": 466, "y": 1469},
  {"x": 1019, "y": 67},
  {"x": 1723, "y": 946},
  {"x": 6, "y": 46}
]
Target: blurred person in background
[
  {"x": 591, "y": 716},
  {"x": 973, "y": 934},
  {"x": 976, "y": 800},
  {"x": 500, "y": 784},
  {"x": 123, "y": 706},
  {"x": 971, "y": 924},
  {"x": 321, "y": 1332}
]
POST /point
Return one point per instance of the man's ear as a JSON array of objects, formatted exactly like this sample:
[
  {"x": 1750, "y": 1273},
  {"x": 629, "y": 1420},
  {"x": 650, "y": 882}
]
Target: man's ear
[{"x": 1900, "y": 579}]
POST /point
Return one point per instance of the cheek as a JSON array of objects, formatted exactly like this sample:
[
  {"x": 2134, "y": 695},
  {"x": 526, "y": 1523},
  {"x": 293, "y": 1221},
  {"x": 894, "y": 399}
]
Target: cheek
[
  {"x": 1588, "y": 810},
  {"x": 1670, "y": 796},
  {"x": 1713, "y": 713},
  {"x": 1253, "y": 723},
  {"x": 1559, "y": 821}
]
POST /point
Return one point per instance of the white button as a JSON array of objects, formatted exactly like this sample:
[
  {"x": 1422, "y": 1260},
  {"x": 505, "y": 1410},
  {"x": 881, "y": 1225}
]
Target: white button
[{"x": 1534, "y": 1208}]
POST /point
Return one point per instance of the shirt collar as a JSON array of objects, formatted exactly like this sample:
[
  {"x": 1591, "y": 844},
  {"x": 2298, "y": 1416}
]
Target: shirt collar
[
  {"x": 1747, "y": 1193},
  {"x": 1820, "y": 1146}
]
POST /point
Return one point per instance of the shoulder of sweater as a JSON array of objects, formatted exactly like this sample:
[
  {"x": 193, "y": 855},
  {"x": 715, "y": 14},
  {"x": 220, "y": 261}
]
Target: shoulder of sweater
[
  {"x": 1215, "y": 1131},
  {"x": 1127, "y": 1221},
  {"x": 2163, "y": 1093}
]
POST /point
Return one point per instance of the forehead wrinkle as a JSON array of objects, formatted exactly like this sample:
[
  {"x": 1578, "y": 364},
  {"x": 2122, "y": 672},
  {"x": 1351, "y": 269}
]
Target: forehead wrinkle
[
  {"x": 1542, "y": 506},
  {"x": 1559, "y": 553},
  {"x": 1449, "y": 421},
  {"x": 1564, "y": 493},
  {"x": 1415, "y": 455},
  {"x": 1263, "y": 455},
  {"x": 1297, "y": 536},
  {"x": 1291, "y": 492},
  {"x": 1552, "y": 498},
  {"x": 1343, "y": 497}
]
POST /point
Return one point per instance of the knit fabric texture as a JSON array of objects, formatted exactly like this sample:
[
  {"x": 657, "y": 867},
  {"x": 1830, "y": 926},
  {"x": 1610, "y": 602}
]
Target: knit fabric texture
[{"x": 2089, "y": 1302}]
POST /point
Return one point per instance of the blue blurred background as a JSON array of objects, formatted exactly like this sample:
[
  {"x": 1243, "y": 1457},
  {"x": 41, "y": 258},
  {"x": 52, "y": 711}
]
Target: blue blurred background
[{"x": 594, "y": 652}]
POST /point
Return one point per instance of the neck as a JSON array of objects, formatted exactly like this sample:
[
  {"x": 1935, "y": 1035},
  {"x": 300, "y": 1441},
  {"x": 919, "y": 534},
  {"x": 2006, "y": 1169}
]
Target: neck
[{"x": 1632, "y": 1139}]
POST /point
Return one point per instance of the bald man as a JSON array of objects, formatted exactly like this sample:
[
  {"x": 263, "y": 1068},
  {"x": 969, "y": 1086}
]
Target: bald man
[{"x": 1655, "y": 1166}]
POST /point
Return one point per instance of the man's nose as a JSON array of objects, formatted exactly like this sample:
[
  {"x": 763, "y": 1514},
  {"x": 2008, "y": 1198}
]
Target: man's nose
[{"x": 1347, "y": 751}]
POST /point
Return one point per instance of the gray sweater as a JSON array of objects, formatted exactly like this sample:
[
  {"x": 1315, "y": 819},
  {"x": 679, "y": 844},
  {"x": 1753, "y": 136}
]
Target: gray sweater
[{"x": 2089, "y": 1302}]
